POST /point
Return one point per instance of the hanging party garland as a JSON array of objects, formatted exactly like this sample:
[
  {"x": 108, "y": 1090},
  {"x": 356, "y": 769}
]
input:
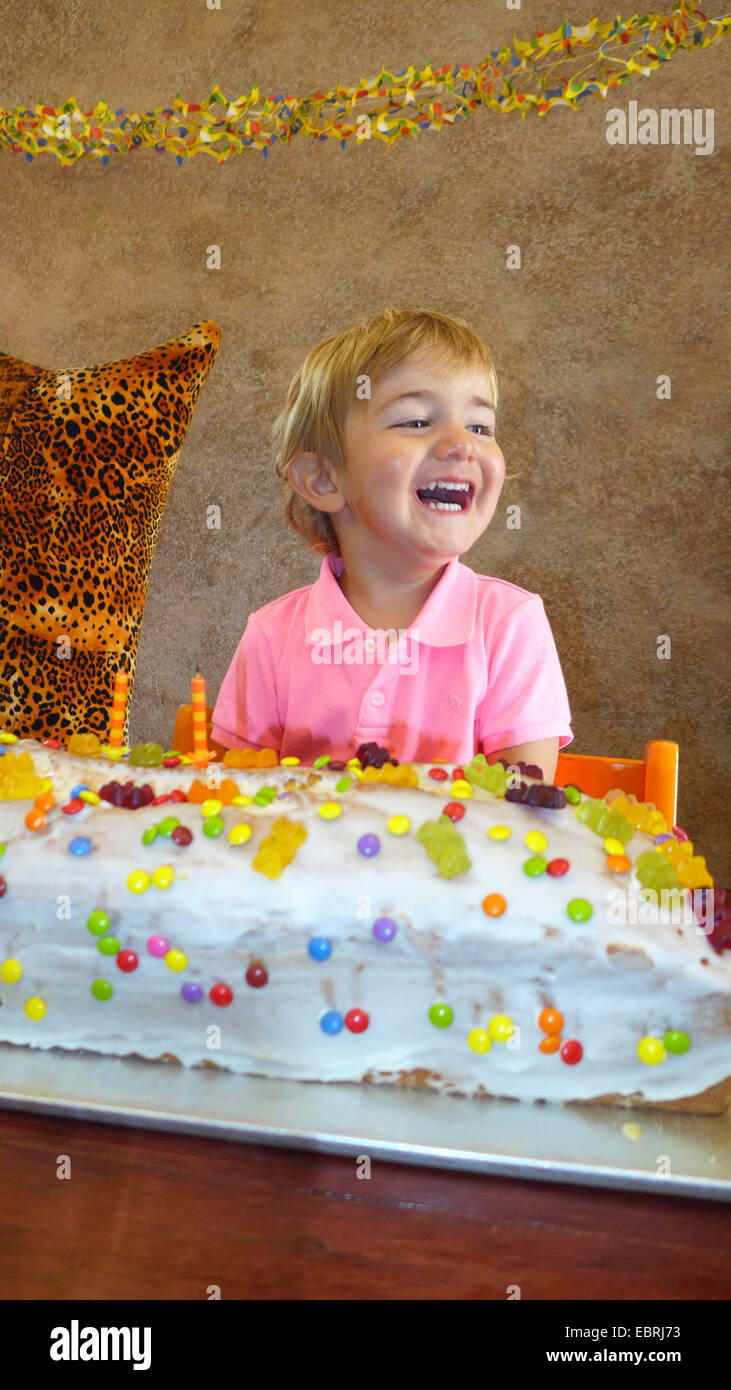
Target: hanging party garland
[{"x": 555, "y": 69}]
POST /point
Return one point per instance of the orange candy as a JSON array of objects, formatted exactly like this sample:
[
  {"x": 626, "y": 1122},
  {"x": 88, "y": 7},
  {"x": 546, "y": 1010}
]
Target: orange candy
[
  {"x": 198, "y": 792},
  {"x": 551, "y": 1021},
  {"x": 35, "y": 819},
  {"x": 618, "y": 863},
  {"x": 550, "y": 1044},
  {"x": 250, "y": 757},
  {"x": 45, "y": 801},
  {"x": 494, "y": 904}
]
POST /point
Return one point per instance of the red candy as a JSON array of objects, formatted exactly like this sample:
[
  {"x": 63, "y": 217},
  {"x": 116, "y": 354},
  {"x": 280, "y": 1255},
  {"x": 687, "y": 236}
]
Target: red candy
[
  {"x": 256, "y": 976},
  {"x": 557, "y": 867},
  {"x": 453, "y": 809},
  {"x": 73, "y": 807},
  {"x": 357, "y": 1020},
  {"x": 438, "y": 774},
  {"x": 3, "y": 887},
  {"x": 170, "y": 762},
  {"x": 51, "y": 743},
  {"x": 221, "y": 995},
  {"x": 177, "y": 795},
  {"x": 181, "y": 835},
  {"x": 158, "y": 800},
  {"x": 571, "y": 1052},
  {"x": 458, "y": 775},
  {"x": 127, "y": 961}
]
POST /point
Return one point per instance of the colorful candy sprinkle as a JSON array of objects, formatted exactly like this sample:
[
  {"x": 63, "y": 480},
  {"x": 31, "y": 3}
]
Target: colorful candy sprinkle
[
  {"x": 35, "y": 1008},
  {"x": 368, "y": 845},
  {"x": 220, "y": 995},
  {"x": 441, "y": 1015},
  {"x": 331, "y": 1022},
  {"x": 158, "y": 946},
  {"x": 11, "y": 971},
  {"x": 191, "y": 992},
  {"x": 579, "y": 910},
  {"x": 101, "y": 989},
  {"x": 356, "y": 1020},
  {"x": 494, "y": 904},
  {"x": 319, "y": 948},
  {"x": 384, "y": 929},
  {"x": 256, "y": 976},
  {"x": 501, "y": 1028},
  {"x": 138, "y": 881},
  {"x": 80, "y": 845},
  {"x": 98, "y": 922},
  {"x": 676, "y": 1041},
  {"x": 557, "y": 867},
  {"x": 479, "y": 1040},
  {"x": 572, "y": 1052},
  {"x": 550, "y": 1021},
  {"x": 176, "y": 960},
  {"x": 536, "y": 841},
  {"x": 651, "y": 1051},
  {"x": 127, "y": 961}
]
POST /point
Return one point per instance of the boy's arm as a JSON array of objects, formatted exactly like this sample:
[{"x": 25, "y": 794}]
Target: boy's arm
[{"x": 543, "y": 754}]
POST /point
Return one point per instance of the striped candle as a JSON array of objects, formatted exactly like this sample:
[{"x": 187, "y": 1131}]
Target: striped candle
[
  {"x": 200, "y": 733},
  {"x": 119, "y": 709}
]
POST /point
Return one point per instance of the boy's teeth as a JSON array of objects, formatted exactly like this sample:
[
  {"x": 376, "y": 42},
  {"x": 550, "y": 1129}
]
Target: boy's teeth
[
  {"x": 461, "y": 487},
  {"x": 445, "y": 506}
]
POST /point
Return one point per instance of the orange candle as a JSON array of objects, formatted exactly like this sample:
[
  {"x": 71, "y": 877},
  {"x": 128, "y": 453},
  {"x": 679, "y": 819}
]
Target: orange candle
[
  {"x": 200, "y": 733},
  {"x": 119, "y": 708}
]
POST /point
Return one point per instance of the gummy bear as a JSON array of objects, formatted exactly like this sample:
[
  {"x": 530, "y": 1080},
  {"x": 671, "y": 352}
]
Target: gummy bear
[
  {"x": 445, "y": 846},
  {"x": 490, "y": 776},
  {"x": 84, "y": 745},
  {"x": 279, "y": 847},
  {"x": 146, "y": 755}
]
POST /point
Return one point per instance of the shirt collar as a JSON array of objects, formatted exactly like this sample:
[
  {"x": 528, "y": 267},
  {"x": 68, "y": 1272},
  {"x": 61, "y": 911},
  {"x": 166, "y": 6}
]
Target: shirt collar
[{"x": 446, "y": 620}]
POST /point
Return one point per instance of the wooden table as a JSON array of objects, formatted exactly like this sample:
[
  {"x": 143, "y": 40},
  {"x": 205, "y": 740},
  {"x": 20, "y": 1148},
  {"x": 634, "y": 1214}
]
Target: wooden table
[{"x": 152, "y": 1215}]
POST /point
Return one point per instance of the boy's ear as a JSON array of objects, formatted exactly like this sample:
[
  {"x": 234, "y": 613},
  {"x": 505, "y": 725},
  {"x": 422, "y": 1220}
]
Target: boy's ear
[{"x": 315, "y": 478}]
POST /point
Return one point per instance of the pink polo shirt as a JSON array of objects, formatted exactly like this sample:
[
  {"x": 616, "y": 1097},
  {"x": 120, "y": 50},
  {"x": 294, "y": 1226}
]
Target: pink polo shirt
[{"x": 477, "y": 671}]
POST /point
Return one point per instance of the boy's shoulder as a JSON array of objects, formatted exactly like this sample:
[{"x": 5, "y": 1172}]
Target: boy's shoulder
[
  {"x": 501, "y": 593},
  {"x": 284, "y": 606}
]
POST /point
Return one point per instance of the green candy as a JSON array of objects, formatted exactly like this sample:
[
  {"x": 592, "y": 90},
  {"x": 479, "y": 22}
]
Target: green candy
[
  {"x": 322, "y": 760},
  {"x": 573, "y": 795},
  {"x": 534, "y": 866},
  {"x": 101, "y": 989},
  {"x": 146, "y": 755},
  {"x": 149, "y": 835},
  {"x": 264, "y": 796},
  {"x": 109, "y": 946},
  {"x": 579, "y": 910},
  {"x": 676, "y": 1041},
  {"x": 168, "y": 825},
  {"x": 441, "y": 1015},
  {"x": 343, "y": 784},
  {"x": 212, "y": 826},
  {"x": 98, "y": 922}
]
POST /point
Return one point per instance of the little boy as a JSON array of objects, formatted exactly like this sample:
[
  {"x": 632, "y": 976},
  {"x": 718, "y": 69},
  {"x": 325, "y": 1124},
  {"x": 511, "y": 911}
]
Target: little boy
[{"x": 389, "y": 467}]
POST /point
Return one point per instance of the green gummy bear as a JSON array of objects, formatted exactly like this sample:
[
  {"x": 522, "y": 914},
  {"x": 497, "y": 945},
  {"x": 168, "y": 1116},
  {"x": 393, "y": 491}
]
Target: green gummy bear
[
  {"x": 445, "y": 846},
  {"x": 653, "y": 870},
  {"x": 146, "y": 755},
  {"x": 492, "y": 777}
]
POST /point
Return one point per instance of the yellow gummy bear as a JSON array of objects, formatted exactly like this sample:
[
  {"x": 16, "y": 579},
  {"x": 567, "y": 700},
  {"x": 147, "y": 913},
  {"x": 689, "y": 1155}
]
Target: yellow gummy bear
[
  {"x": 18, "y": 780},
  {"x": 402, "y": 776},
  {"x": 279, "y": 847},
  {"x": 84, "y": 745},
  {"x": 694, "y": 874}
]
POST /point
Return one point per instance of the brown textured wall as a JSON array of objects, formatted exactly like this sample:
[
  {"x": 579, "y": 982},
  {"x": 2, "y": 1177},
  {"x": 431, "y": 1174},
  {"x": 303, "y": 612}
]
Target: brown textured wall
[{"x": 622, "y": 494}]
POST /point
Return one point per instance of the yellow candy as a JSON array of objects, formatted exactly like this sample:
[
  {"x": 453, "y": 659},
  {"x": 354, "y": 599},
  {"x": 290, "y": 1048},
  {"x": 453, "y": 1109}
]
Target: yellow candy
[
  {"x": 8, "y": 738},
  {"x": 479, "y": 1040},
  {"x": 163, "y": 876},
  {"x": 138, "y": 881},
  {"x": 84, "y": 745},
  {"x": 91, "y": 797},
  {"x": 353, "y": 762},
  {"x": 398, "y": 825},
  {"x": 279, "y": 847},
  {"x": 211, "y": 807},
  {"x": 11, "y": 971},
  {"x": 499, "y": 832},
  {"x": 462, "y": 788},
  {"x": 289, "y": 762},
  {"x": 330, "y": 810},
  {"x": 176, "y": 960},
  {"x": 501, "y": 1027},
  {"x": 613, "y": 846},
  {"x": 651, "y": 1051},
  {"x": 35, "y": 1008},
  {"x": 241, "y": 800},
  {"x": 536, "y": 841},
  {"x": 239, "y": 834},
  {"x": 113, "y": 755}
]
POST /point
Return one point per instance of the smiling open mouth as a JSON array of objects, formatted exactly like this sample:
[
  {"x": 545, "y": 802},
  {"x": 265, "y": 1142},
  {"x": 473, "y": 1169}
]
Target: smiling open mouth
[{"x": 442, "y": 496}]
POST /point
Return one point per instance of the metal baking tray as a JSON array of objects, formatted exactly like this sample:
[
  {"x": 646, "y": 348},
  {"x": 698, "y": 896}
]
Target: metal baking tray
[{"x": 689, "y": 1155}]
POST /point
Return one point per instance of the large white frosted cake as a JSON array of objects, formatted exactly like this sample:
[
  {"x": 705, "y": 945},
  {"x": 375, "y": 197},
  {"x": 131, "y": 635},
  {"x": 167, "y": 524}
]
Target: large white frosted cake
[{"x": 335, "y": 926}]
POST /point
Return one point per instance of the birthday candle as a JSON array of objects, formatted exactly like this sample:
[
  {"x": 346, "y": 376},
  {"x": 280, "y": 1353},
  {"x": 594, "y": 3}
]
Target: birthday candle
[
  {"x": 119, "y": 708},
  {"x": 200, "y": 738}
]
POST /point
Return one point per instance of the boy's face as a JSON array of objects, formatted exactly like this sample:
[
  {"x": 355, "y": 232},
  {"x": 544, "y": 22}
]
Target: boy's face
[{"x": 421, "y": 426}]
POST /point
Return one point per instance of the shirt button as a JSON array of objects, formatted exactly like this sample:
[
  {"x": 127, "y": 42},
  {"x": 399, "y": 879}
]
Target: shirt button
[{"x": 377, "y": 698}]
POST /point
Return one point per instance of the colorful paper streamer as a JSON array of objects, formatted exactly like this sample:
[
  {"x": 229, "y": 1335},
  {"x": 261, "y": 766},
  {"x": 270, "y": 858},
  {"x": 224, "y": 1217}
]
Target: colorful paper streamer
[{"x": 555, "y": 69}]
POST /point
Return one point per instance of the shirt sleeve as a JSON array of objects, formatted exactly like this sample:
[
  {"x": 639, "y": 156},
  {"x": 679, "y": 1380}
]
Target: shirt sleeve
[
  {"x": 245, "y": 714},
  {"x": 526, "y": 695}
]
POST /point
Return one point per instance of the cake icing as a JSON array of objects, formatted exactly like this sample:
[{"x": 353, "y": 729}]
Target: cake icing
[{"x": 367, "y": 1008}]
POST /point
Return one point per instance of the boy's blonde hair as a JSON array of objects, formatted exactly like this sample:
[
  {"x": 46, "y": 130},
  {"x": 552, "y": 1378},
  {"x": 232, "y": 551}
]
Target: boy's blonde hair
[{"x": 323, "y": 391}]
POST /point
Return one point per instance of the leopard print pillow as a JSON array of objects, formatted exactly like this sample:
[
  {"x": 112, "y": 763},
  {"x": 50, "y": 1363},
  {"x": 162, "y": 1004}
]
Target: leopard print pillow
[{"x": 86, "y": 462}]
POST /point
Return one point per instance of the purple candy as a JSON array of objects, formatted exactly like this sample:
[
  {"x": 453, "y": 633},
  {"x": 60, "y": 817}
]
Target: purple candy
[
  {"x": 369, "y": 845},
  {"x": 191, "y": 993},
  {"x": 384, "y": 929}
]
